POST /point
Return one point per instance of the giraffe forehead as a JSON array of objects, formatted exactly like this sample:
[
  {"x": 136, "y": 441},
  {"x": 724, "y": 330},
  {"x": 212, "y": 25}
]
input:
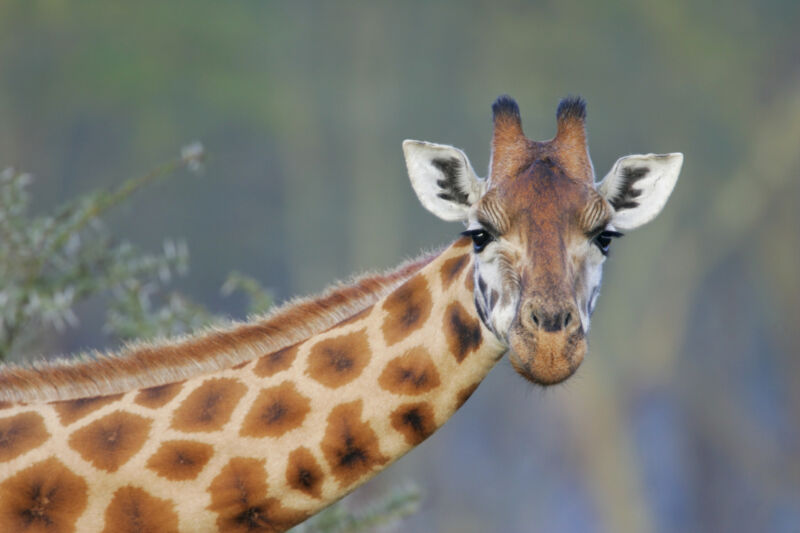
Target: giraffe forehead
[{"x": 542, "y": 196}]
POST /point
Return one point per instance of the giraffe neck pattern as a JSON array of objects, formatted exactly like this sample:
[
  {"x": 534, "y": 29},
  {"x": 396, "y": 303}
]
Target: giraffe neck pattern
[{"x": 260, "y": 445}]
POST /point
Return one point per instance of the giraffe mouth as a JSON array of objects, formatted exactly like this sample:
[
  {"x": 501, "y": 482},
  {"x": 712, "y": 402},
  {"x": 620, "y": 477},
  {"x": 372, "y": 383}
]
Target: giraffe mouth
[{"x": 546, "y": 358}]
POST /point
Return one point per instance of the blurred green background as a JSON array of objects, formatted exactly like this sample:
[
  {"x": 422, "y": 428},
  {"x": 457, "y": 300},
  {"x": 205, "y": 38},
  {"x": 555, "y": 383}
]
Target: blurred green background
[{"x": 686, "y": 414}]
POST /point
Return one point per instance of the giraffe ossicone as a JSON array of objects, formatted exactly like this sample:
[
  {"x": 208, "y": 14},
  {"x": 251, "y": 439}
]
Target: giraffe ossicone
[{"x": 258, "y": 426}]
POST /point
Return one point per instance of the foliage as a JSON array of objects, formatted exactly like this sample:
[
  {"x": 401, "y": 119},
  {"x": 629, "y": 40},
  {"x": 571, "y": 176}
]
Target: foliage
[
  {"x": 399, "y": 503},
  {"x": 49, "y": 263}
]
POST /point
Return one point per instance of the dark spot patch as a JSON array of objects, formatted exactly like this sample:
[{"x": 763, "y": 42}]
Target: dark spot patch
[
  {"x": 21, "y": 433},
  {"x": 462, "y": 330},
  {"x": 407, "y": 308},
  {"x": 481, "y": 312},
  {"x": 71, "y": 410},
  {"x": 240, "y": 365},
  {"x": 451, "y": 169},
  {"x": 482, "y": 286},
  {"x": 134, "y": 510},
  {"x": 415, "y": 421},
  {"x": 337, "y": 361},
  {"x": 494, "y": 296},
  {"x": 464, "y": 394},
  {"x": 109, "y": 442},
  {"x": 414, "y": 372},
  {"x": 625, "y": 198},
  {"x": 304, "y": 473},
  {"x": 571, "y": 108},
  {"x": 275, "y": 411},
  {"x": 272, "y": 363},
  {"x": 179, "y": 460},
  {"x": 154, "y": 397},
  {"x": 505, "y": 106},
  {"x": 239, "y": 498},
  {"x": 209, "y": 406},
  {"x": 44, "y": 497},
  {"x": 350, "y": 445},
  {"x": 452, "y": 268}
]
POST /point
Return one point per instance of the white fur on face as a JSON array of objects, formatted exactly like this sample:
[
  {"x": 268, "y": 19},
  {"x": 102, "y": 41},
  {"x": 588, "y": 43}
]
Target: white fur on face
[
  {"x": 499, "y": 300},
  {"x": 497, "y": 289},
  {"x": 588, "y": 291}
]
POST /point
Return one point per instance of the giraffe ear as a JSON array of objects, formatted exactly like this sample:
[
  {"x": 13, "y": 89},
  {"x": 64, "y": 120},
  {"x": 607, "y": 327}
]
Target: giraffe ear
[
  {"x": 638, "y": 186},
  {"x": 443, "y": 179}
]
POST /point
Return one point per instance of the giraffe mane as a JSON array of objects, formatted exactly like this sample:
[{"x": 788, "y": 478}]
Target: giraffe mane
[{"x": 149, "y": 364}]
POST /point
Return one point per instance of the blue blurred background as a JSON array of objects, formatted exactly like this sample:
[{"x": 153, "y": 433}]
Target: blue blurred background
[{"x": 686, "y": 414}]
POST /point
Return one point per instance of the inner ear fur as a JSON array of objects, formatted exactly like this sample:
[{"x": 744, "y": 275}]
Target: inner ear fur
[
  {"x": 443, "y": 179},
  {"x": 638, "y": 187}
]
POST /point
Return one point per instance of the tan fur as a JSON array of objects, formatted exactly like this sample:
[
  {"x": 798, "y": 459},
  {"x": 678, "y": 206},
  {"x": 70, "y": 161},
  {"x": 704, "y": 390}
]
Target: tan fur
[{"x": 156, "y": 363}]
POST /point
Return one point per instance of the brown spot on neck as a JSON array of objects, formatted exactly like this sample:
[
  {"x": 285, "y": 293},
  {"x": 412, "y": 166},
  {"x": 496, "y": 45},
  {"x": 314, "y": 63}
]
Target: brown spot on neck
[
  {"x": 209, "y": 406},
  {"x": 414, "y": 372},
  {"x": 180, "y": 460},
  {"x": 46, "y": 496},
  {"x": 270, "y": 364},
  {"x": 276, "y": 411},
  {"x": 350, "y": 446},
  {"x": 415, "y": 421},
  {"x": 21, "y": 433},
  {"x": 239, "y": 498},
  {"x": 304, "y": 473},
  {"x": 336, "y": 361},
  {"x": 70, "y": 411},
  {"x": 134, "y": 510},
  {"x": 109, "y": 442},
  {"x": 463, "y": 331},
  {"x": 451, "y": 268},
  {"x": 407, "y": 309},
  {"x": 154, "y": 397}
]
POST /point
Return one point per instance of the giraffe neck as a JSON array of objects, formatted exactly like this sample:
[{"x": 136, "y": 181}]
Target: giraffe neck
[{"x": 262, "y": 445}]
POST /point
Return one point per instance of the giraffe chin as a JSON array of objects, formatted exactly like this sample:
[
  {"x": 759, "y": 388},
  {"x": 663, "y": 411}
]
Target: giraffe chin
[{"x": 546, "y": 358}]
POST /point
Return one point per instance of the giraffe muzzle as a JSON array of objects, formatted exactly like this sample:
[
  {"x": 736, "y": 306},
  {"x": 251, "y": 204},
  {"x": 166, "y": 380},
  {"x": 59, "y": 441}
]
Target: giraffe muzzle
[{"x": 547, "y": 346}]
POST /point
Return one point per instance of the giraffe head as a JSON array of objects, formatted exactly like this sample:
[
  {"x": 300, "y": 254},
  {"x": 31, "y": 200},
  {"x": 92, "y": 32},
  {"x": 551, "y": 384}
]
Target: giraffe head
[{"x": 541, "y": 228}]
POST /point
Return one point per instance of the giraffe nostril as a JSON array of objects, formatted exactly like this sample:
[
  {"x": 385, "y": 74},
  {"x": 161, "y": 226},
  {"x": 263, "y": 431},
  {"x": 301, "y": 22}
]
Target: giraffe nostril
[
  {"x": 567, "y": 319},
  {"x": 535, "y": 318}
]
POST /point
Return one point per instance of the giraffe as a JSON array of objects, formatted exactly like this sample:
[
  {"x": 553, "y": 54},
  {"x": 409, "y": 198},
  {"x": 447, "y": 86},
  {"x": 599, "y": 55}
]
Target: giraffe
[{"x": 259, "y": 425}]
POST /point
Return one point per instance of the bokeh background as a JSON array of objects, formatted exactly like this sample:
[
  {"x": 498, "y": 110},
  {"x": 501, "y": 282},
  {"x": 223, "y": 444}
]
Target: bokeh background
[{"x": 686, "y": 414}]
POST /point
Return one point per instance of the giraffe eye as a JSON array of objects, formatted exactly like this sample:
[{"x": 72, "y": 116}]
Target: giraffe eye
[
  {"x": 480, "y": 238},
  {"x": 603, "y": 240}
]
